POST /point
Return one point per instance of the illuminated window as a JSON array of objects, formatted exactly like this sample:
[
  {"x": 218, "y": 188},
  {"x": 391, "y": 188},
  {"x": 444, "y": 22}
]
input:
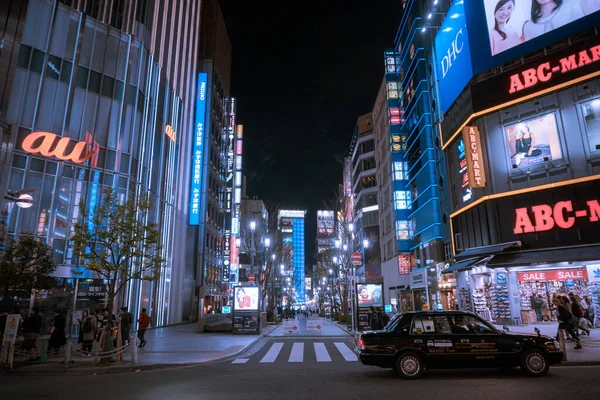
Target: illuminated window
[
  {"x": 400, "y": 170},
  {"x": 591, "y": 113},
  {"x": 402, "y": 199},
  {"x": 402, "y": 230}
]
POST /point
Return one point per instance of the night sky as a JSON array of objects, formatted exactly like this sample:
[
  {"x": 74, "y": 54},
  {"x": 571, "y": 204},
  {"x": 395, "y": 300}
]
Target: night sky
[{"x": 302, "y": 73}]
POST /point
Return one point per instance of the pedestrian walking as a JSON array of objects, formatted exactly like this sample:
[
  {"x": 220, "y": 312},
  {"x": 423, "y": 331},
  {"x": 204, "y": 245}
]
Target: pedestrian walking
[
  {"x": 80, "y": 323},
  {"x": 566, "y": 322},
  {"x": 89, "y": 327},
  {"x": 578, "y": 313},
  {"x": 32, "y": 328},
  {"x": 126, "y": 320},
  {"x": 57, "y": 332},
  {"x": 383, "y": 317},
  {"x": 374, "y": 321},
  {"x": 144, "y": 322}
]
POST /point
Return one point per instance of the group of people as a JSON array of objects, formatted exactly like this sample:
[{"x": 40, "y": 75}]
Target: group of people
[
  {"x": 377, "y": 318},
  {"x": 574, "y": 314}
]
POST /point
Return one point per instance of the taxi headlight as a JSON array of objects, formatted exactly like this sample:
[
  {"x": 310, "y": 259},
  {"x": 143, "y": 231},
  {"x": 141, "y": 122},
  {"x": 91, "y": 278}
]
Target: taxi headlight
[{"x": 551, "y": 345}]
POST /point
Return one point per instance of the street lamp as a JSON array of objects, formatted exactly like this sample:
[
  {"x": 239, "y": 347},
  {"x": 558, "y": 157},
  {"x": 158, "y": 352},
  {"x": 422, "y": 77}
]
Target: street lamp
[
  {"x": 338, "y": 243},
  {"x": 351, "y": 227},
  {"x": 345, "y": 247},
  {"x": 366, "y": 243},
  {"x": 335, "y": 259},
  {"x": 267, "y": 242}
]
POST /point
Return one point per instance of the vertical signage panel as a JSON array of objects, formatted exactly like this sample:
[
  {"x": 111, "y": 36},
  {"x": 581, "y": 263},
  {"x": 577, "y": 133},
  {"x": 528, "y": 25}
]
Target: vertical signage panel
[{"x": 198, "y": 148}]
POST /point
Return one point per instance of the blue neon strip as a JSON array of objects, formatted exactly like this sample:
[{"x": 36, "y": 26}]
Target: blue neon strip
[{"x": 198, "y": 148}]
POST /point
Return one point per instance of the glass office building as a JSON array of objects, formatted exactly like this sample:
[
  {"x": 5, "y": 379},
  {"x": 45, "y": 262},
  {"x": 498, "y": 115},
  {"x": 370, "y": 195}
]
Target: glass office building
[{"x": 110, "y": 80}]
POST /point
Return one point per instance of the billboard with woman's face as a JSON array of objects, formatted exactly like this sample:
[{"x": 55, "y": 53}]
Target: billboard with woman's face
[
  {"x": 533, "y": 141},
  {"x": 246, "y": 298},
  {"x": 369, "y": 294},
  {"x": 513, "y": 22}
]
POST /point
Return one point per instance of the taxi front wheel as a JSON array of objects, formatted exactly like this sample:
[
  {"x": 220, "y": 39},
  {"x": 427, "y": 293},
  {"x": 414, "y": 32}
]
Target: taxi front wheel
[
  {"x": 535, "y": 362},
  {"x": 409, "y": 365}
]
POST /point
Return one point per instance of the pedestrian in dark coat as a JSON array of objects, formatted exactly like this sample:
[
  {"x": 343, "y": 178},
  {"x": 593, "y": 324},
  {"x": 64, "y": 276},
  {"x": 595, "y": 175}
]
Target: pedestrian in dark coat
[{"x": 57, "y": 337}]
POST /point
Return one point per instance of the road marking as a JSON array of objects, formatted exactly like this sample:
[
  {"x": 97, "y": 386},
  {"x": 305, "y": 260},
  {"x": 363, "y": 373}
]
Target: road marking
[
  {"x": 240, "y": 361},
  {"x": 272, "y": 354},
  {"x": 321, "y": 352},
  {"x": 297, "y": 354},
  {"x": 346, "y": 352}
]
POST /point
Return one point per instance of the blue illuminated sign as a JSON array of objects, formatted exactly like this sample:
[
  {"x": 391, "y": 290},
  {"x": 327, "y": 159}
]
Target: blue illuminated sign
[
  {"x": 198, "y": 148},
  {"x": 453, "y": 56}
]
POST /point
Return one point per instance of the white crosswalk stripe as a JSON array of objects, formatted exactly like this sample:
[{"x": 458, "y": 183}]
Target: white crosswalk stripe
[
  {"x": 346, "y": 352},
  {"x": 321, "y": 353},
  {"x": 272, "y": 354},
  {"x": 296, "y": 353}
]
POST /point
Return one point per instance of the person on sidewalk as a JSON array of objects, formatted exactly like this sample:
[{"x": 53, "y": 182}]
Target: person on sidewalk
[
  {"x": 57, "y": 335},
  {"x": 84, "y": 315},
  {"x": 144, "y": 322},
  {"x": 374, "y": 321},
  {"x": 89, "y": 327},
  {"x": 32, "y": 328},
  {"x": 536, "y": 304},
  {"x": 126, "y": 320},
  {"x": 565, "y": 322},
  {"x": 578, "y": 312}
]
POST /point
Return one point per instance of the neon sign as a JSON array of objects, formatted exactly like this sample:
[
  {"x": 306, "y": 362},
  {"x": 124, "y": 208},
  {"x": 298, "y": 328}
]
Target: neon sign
[
  {"x": 475, "y": 166},
  {"x": 545, "y": 71},
  {"x": 171, "y": 134},
  {"x": 546, "y": 217},
  {"x": 198, "y": 149},
  {"x": 45, "y": 144}
]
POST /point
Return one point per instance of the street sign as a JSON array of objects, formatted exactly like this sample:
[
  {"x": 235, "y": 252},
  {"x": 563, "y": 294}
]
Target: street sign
[
  {"x": 356, "y": 258},
  {"x": 251, "y": 278}
]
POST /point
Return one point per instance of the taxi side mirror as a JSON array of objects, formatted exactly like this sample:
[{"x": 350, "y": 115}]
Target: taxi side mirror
[{"x": 505, "y": 328}]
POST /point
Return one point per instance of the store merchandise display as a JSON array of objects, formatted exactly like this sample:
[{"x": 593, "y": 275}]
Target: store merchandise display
[
  {"x": 480, "y": 303},
  {"x": 500, "y": 302},
  {"x": 594, "y": 292},
  {"x": 465, "y": 299}
]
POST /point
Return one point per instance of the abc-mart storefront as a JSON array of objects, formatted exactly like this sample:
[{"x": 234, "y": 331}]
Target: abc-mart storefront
[{"x": 524, "y": 171}]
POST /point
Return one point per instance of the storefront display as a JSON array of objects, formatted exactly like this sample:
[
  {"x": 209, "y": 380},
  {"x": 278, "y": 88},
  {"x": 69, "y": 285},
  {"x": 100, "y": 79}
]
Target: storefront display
[{"x": 465, "y": 299}]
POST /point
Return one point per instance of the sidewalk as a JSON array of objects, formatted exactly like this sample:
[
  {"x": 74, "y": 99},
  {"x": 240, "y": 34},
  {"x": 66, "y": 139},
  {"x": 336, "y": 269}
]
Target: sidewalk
[
  {"x": 589, "y": 355},
  {"x": 174, "y": 346}
]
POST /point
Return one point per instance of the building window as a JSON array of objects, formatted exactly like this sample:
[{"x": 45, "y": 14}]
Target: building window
[
  {"x": 400, "y": 170},
  {"x": 591, "y": 114},
  {"x": 402, "y": 199},
  {"x": 402, "y": 230}
]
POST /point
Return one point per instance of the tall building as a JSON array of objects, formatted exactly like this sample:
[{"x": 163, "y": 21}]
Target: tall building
[
  {"x": 209, "y": 211},
  {"x": 364, "y": 193},
  {"x": 415, "y": 171},
  {"x": 291, "y": 233},
  {"x": 325, "y": 230},
  {"x": 121, "y": 83},
  {"x": 254, "y": 232},
  {"x": 521, "y": 134}
]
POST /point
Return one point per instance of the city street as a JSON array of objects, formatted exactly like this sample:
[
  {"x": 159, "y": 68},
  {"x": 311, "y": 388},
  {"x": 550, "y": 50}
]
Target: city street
[{"x": 308, "y": 365}]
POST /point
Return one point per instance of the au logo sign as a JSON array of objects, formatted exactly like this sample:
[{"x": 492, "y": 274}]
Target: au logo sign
[{"x": 47, "y": 145}]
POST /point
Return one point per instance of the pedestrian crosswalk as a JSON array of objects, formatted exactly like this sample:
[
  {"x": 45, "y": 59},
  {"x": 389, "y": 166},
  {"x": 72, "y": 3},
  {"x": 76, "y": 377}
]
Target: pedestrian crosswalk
[{"x": 300, "y": 352}]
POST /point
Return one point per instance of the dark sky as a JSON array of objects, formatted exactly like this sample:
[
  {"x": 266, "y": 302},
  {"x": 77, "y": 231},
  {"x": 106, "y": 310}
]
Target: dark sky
[{"x": 302, "y": 73}]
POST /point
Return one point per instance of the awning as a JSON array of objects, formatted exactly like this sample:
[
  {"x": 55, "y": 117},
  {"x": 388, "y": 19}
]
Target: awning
[
  {"x": 485, "y": 251},
  {"x": 462, "y": 265},
  {"x": 547, "y": 256}
]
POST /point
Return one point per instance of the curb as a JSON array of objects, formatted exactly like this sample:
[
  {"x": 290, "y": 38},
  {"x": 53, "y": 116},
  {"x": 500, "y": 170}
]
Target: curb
[{"x": 119, "y": 369}]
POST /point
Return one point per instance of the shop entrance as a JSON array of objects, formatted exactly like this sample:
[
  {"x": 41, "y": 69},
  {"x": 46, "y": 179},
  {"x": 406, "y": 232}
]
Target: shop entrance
[
  {"x": 548, "y": 283},
  {"x": 420, "y": 298}
]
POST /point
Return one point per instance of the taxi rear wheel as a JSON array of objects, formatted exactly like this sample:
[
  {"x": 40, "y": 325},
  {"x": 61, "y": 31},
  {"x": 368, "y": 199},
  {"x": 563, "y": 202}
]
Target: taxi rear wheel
[
  {"x": 409, "y": 365},
  {"x": 535, "y": 363}
]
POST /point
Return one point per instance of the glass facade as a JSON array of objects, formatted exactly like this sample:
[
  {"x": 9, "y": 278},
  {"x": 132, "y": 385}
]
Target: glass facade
[
  {"x": 82, "y": 81},
  {"x": 299, "y": 258}
]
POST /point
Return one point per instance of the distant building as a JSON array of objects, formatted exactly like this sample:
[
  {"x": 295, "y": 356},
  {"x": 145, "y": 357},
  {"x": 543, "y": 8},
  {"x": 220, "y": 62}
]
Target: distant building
[{"x": 291, "y": 234}]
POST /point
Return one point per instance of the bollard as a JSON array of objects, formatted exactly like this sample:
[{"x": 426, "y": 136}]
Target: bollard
[
  {"x": 562, "y": 343},
  {"x": 68, "y": 353},
  {"x": 44, "y": 351},
  {"x": 134, "y": 353}
]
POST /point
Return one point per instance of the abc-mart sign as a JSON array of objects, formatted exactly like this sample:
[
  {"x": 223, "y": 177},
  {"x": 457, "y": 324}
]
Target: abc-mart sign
[{"x": 561, "y": 215}]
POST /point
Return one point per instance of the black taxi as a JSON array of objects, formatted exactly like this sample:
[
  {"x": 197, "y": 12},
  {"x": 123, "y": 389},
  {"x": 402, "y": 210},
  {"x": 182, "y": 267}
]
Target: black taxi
[{"x": 415, "y": 341}]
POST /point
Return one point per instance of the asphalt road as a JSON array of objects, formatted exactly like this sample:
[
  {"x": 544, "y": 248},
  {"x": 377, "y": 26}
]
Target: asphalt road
[{"x": 305, "y": 368}]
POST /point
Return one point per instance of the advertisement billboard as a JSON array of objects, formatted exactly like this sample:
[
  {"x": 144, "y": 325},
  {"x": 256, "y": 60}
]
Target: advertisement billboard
[
  {"x": 198, "y": 149},
  {"x": 325, "y": 223},
  {"x": 370, "y": 294},
  {"x": 246, "y": 298},
  {"x": 533, "y": 141},
  {"x": 511, "y": 23},
  {"x": 453, "y": 55}
]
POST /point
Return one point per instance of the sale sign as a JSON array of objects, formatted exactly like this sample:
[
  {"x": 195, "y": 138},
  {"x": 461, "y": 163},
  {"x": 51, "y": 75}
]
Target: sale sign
[{"x": 554, "y": 275}]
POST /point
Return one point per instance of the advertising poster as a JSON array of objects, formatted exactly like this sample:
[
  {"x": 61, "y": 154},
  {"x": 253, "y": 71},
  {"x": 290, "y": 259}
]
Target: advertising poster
[
  {"x": 246, "y": 298},
  {"x": 533, "y": 141},
  {"x": 308, "y": 283},
  {"x": 372, "y": 252},
  {"x": 370, "y": 295},
  {"x": 511, "y": 23}
]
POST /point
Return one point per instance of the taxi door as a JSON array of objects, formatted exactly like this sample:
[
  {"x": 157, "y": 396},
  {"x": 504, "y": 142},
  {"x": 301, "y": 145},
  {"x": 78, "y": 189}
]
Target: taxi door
[
  {"x": 431, "y": 335},
  {"x": 477, "y": 343}
]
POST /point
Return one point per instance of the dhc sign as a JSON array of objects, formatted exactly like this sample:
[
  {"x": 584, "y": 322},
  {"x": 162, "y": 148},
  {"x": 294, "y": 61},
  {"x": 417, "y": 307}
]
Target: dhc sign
[
  {"x": 453, "y": 55},
  {"x": 198, "y": 148}
]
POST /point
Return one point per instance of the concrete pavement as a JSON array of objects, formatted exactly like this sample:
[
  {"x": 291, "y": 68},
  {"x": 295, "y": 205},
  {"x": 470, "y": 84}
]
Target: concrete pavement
[{"x": 174, "y": 346}]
